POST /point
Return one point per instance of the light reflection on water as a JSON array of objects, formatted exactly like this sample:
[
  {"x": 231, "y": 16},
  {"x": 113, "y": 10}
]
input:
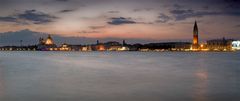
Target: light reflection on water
[
  {"x": 201, "y": 86},
  {"x": 119, "y": 76}
]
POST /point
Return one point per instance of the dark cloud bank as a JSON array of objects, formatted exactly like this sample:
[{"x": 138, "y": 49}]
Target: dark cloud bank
[
  {"x": 32, "y": 16},
  {"x": 121, "y": 21}
]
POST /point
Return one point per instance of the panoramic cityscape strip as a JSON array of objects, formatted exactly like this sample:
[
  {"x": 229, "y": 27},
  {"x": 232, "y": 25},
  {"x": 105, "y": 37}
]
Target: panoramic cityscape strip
[{"x": 210, "y": 45}]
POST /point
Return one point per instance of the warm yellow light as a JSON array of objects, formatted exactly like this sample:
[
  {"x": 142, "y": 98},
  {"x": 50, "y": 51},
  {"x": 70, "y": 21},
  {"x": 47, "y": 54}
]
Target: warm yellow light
[
  {"x": 49, "y": 42},
  {"x": 195, "y": 41},
  {"x": 101, "y": 48},
  {"x": 123, "y": 49}
]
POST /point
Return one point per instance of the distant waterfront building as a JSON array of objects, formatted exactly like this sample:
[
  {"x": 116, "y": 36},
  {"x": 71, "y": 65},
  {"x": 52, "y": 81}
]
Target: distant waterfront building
[
  {"x": 49, "y": 40},
  {"x": 171, "y": 46},
  {"x": 65, "y": 47},
  {"x": 75, "y": 47},
  {"x": 97, "y": 42},
  {"x": 112, "y": 43},
  {"x": 86, "y": 48},
  {"x": 195, "y": 43},
  {"x": 114, "y": 48},
  {"x": 220, "y": 44},
  {"x": 236, "y": 45},
  {"x": 124, "y": 43},
  {"x": 100, "y": 47},
  {"x": 124, "y": 48},
  {"x": 47, "y": 45},
  {"x": 108, "y": 46},
  {"x": 18, "y": 48}
]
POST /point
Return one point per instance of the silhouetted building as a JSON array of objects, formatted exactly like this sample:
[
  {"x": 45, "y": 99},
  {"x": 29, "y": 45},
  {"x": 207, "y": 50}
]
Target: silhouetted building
[
  {"x": 116, "y": 46},
  {"x": 236, "y": 45},
  {"x": 100, "y": 47},
  {"x": 75, "y": 47},
  {"x": 47, "y": 45},
  {"x": 87, "y": 48},
  {"x": 219, "y": 44},
  {"x": 172, "y": 46},
  {"x": 49, "y": 40},
  {"x": 124, "y": 43},
  {"x": 97, "y": 42},
  {"x": 112, "y": 43},
  {"x": 65, "y": 47},
  {"x": 195, "y": 43}
]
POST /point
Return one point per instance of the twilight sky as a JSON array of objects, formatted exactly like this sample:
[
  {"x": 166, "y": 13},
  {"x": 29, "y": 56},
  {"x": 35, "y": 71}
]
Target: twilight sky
[{"x": 138, "y": 19}]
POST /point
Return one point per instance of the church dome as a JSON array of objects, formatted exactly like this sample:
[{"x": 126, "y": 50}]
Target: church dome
[{"x": 49, "y": 40}]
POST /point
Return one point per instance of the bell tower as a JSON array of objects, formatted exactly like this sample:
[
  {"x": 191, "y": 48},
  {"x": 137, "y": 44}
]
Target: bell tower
[{"x": 195, "y": 43}]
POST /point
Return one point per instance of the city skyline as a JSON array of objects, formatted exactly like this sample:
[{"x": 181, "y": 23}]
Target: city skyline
[
  {"x": 152, "y": 20},
  {"x": 48, "y": 44}
]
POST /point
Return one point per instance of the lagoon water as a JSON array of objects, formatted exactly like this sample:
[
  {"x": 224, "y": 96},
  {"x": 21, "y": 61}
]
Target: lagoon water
[{"x": 119, "y": 76}]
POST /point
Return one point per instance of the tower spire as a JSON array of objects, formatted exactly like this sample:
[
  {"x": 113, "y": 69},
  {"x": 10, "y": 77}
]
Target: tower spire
[
  {"x": 195, "y": 29},
  {"x": 195, "y": 36}
]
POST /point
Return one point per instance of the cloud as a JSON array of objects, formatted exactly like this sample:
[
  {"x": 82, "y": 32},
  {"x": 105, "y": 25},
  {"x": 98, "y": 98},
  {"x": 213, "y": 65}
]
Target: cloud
[
  {"x": 66, "y": 10},
  {"x": 237, "y": 25},
  {"x": 36, "y": 17},
  {"x": 113, "y": 11},
  {"x": 206, "y": 7},
  {"x": 177, "y": 6},
  {"x": 182, "y": 14},
  {"x": 96, "y": 27},
  {"x": 162, "y": 18},
  {"x": 143, "y": 9},
  {"x": 87, "y": 32},
  {"x": 121, "y": 21},
  {"x": 179, "y": 12},
  {"x": 32, "y": 16},
  {"x": 233, "y": 4},
  {"x": 62, "y": 0},
  {"x": 8, "y": 19}
]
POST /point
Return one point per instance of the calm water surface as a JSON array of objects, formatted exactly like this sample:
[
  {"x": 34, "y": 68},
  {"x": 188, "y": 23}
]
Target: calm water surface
[{"x": 119, "y": 76}]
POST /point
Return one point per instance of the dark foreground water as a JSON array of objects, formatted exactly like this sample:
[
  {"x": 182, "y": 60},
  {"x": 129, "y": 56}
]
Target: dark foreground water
[{"x": 119, "y": 76}]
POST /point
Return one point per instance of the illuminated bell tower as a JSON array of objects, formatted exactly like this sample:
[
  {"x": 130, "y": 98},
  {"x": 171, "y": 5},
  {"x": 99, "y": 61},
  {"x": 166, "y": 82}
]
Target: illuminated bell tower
[{"x": 195, "y": 36}]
